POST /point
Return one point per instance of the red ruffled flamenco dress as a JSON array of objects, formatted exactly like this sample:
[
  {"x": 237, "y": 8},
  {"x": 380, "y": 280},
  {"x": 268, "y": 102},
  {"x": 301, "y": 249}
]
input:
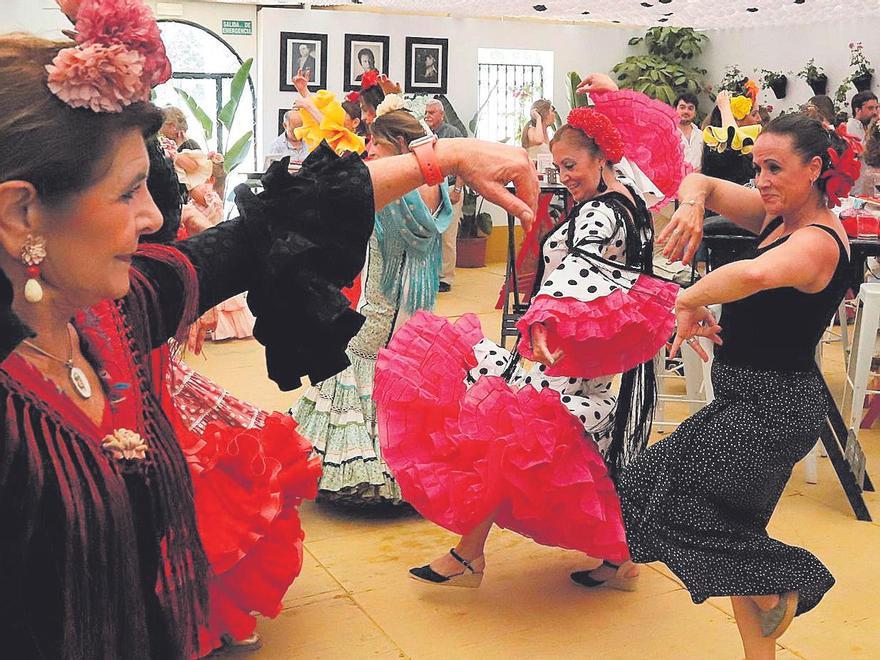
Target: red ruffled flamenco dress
[
  {"x": 250, "y": 473},
  {"x": 468, "y": 431}
]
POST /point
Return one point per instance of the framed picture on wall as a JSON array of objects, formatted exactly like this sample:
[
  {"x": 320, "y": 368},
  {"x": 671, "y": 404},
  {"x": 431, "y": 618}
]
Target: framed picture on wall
[
  {"x": 426, "y": 65},
  {"x": 307, "y": 53},
  {"x": 363, "y": 52},
  {"x": 281, "y": 113}
]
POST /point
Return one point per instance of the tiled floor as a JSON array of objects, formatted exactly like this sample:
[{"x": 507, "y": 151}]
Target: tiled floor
[{"x": 354, "y": 600}]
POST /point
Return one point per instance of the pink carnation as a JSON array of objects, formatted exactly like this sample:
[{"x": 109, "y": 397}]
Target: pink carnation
[
  {"x": 127, "y": 22},
  {"x": 102, "y": 78}
]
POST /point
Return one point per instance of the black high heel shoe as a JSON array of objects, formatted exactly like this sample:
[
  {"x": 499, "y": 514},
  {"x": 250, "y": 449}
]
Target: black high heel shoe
[
  {"x": 585, "y": 579},
  {"x": 469, "y": 577}
]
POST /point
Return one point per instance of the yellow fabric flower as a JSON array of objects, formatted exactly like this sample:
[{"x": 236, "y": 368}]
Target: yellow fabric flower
[
  {"x": 332, "y": 127},
  {"x": 741, "y": 106}
]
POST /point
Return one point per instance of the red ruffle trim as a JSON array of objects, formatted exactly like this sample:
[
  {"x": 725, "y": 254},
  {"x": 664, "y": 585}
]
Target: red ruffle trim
[
  {"x": 460, "y": 455},
  {"x": 248, "y": 485},
  {"x": 608, "y": 335}
]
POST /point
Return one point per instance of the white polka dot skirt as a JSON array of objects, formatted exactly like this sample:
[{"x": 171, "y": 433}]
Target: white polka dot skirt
[{"x": 700, "y": 500}]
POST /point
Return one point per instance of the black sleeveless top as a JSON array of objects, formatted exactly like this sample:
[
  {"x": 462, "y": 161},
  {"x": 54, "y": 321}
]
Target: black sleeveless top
[{"x": 778, "y": 329}]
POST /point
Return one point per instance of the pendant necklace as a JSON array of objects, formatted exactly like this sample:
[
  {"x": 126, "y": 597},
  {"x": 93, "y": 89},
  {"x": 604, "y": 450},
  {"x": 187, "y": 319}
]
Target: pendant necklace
[{"x": 75, "y": 374}]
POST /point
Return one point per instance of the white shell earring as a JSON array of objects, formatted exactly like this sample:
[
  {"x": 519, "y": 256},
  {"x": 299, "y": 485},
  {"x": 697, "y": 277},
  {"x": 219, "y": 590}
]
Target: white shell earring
[{"x": 32, "y": 254}]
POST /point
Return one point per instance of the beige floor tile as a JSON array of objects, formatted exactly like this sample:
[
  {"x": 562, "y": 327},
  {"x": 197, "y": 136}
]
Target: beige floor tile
[
  {"x": 314, "y": 583},
  {"x": 331, "y": 629}
]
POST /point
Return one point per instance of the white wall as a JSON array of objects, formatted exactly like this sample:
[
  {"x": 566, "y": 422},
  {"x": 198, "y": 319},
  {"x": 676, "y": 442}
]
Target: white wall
[
  {"x": 578, "y": 48},
  {"x": 787, "y": 49}
]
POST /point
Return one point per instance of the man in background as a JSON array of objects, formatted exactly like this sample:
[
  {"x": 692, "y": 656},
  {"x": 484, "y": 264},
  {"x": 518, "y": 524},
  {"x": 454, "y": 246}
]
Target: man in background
[
  {"x": 286, "y": 144},
  {"x": 864, "y": 109},
  {"x": 435, "y": 118},
  {"x": 691, "y": 136}
]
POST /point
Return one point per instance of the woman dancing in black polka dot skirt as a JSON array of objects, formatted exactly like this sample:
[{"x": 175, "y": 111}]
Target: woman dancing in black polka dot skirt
[{"x": 700, "y": 500}]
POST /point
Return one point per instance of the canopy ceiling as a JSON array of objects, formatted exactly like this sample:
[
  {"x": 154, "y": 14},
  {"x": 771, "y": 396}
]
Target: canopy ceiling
[{"x": 704, "y": 14}]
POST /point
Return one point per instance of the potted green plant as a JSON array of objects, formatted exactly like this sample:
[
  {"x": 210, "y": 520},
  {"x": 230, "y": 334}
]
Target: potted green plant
[
  {"x": 776, "y": 81},
  {"x": 733, "y": 80},
  {"x": 473, "y": 232},
  {"x": 863, "y": 72},
  {"x": 233, "y": 151},
  {"x": 815, "y": 77},
  {"x": 668, "y": 68}
]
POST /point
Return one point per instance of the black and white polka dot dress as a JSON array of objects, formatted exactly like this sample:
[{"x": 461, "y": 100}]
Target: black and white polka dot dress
[{"x": 700, "y": 500}]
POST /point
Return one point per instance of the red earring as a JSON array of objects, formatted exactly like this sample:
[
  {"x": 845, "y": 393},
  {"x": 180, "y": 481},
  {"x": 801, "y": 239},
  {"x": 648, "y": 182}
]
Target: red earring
[{"x": 32, "y": 254}]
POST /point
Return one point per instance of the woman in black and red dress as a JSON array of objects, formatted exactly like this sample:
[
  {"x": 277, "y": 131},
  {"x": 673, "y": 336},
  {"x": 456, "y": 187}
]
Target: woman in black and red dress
[{"x": 100, "y": 555}]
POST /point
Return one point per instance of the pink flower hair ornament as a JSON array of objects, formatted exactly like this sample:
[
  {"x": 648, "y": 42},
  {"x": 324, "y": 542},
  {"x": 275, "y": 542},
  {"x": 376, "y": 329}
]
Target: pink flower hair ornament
[{"x": 118, "y": 59}]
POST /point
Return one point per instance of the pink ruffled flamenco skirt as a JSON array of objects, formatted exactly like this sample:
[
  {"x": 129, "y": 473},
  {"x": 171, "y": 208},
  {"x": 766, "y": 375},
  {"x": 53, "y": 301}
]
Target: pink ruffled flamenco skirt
[
  {"x": 248, "y": 484},
  {"x": 462, "y": 454},
  {"x": 608, "y": 335}
]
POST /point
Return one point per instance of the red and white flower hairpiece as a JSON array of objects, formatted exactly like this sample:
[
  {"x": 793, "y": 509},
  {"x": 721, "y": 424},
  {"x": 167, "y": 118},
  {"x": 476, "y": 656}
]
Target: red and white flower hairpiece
[
  {"x": 118, "y": 59},
  {"x": 597, "y": 126},
  {"x": 845, "y": 168}
]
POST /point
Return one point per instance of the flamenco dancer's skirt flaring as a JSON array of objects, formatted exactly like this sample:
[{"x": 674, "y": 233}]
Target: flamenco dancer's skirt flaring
[{"x": 461, "y": 454}]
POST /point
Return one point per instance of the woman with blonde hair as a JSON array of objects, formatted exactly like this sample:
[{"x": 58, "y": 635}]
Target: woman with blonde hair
[{"x": 535, "y": 136}]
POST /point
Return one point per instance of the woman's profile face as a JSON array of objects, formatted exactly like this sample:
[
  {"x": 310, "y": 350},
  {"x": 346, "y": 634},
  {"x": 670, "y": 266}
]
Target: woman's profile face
[
  {"x": 366, "y": 61},
  {"x": 92, "y": 236},
  {"x": 429, "y": 61},
  {"x": 781, "y": 175}
]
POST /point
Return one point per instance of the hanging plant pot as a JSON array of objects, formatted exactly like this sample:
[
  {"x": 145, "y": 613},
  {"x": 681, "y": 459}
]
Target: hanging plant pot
[
  {"x": 471, "y": 252},
  {"x": 819, "y": 85},
  {"x": 863, "y": 82},
  {"x": 780, "y": 87}
]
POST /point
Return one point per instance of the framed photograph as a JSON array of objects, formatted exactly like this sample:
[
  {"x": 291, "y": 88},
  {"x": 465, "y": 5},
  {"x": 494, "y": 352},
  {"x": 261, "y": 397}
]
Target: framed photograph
[
  {"x": 281, "y": 113},
  {"x": 363, "y": 52},
  {"x": 426, "y": 65},
  {"x": 305, "y": 52}
]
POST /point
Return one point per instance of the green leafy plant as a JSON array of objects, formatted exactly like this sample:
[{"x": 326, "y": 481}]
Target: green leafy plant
[
  {"x": 668, "y": 68},
  {"x": 857, "y": 60},
  {"x": 233, "y": 151},
  {"x": 811, "y": 72},
  {"x": 575, "y": 100},
  {"x": 769, "y": 78},
  {"x": 733, "y": 80},
  {"x": 475, "y": 223}
]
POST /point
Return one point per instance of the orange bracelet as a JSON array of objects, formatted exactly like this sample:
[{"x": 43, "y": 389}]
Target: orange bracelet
[{"x": 423, "y": 149}]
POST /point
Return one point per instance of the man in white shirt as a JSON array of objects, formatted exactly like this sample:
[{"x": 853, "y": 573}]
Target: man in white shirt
[
  {"x": 864, "y": 109},
  {"x": 691, "y": 136},
  {"x": 286, "y": 144}
]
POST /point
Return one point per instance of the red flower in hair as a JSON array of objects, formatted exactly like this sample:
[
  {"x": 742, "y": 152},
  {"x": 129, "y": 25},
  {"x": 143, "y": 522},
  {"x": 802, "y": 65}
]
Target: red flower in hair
[
  {"x": 370, "y": 79},
  {"x": 599, "y": 127},
  {"x": 353, "y": 97},
  {"x": 845, "y": 168}
]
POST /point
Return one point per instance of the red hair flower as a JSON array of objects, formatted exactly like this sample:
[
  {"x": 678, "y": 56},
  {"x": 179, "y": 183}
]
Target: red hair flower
[
  {"x": 845, "y": 168},
  {"x": 370, "y": 79},
  {"x": 353, "y": 97},
  {"x": 600, "y": 129}
]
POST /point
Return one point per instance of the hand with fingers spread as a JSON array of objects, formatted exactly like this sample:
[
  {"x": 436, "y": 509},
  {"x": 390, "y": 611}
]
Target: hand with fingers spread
[
  {"x": 691, "y": 324},
  {"x": 681, "y": 238},
  {"x": 597, "y": 82},
  {"x": 388, "y": 86},
  {"x": 487, "y": 167},
  {"x": 542, "y": 352}
]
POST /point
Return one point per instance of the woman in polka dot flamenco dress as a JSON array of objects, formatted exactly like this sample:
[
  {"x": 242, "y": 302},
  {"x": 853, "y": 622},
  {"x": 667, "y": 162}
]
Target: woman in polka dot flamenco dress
[
  {"x": 701, "y": 499},
  {"x": 475, "y": 438}
]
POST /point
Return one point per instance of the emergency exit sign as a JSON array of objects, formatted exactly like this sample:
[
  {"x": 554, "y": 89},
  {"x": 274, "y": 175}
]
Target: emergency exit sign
[{"x": 245, "y": 28}]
